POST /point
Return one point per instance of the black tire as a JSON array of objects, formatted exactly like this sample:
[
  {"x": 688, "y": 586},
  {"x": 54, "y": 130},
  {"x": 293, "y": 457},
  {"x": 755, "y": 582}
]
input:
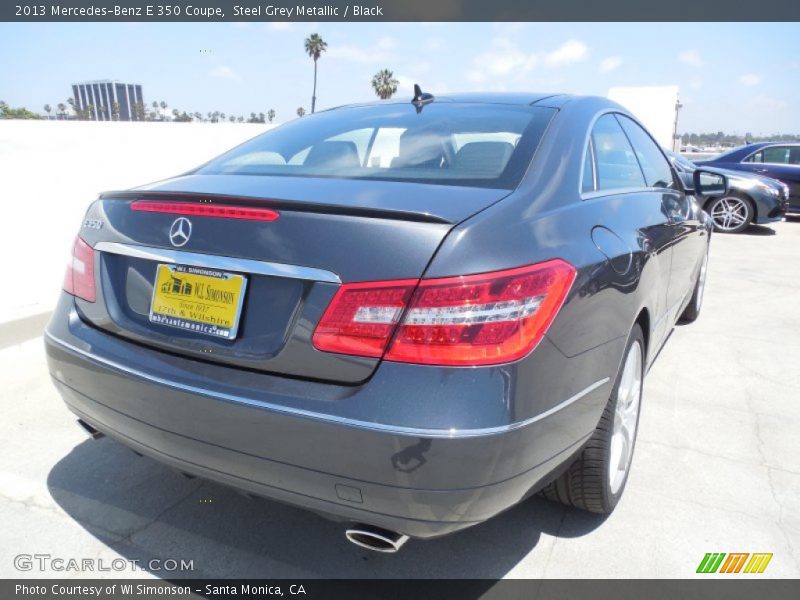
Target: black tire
[
  {"x": 692, "y": 310},
  {"x": 738, "y": 206},
  {"x": 586, "y": 483}
]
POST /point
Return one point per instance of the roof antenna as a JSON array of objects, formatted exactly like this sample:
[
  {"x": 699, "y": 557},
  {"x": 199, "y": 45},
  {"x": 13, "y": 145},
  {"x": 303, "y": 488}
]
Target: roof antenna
[{"x": 420, "y": 98}]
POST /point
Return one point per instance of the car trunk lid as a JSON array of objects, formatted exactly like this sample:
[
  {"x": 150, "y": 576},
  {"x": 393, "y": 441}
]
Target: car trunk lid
[{"x": 327, "y": 232}]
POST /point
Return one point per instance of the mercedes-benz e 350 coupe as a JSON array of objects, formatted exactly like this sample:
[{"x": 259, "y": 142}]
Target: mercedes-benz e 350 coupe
[{"x": 408, "y": 316}]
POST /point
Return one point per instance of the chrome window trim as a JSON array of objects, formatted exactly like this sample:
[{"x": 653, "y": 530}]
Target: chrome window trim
[
  {"x": 392, "y": 429},
  {"x": 222, "y": 263}
]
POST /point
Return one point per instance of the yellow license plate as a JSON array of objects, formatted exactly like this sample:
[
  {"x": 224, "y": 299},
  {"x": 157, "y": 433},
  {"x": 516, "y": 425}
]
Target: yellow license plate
[{"x": 197, "y": 299}]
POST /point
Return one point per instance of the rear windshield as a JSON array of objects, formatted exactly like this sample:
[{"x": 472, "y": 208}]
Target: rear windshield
[{"x": 483, "y": 145}]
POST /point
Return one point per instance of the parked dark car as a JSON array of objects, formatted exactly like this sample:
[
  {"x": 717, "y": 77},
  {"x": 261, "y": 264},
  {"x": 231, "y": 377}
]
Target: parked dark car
[
  {"x": 750, "y": 199},
  {"x": 406, "y": 316},
  {"x": 778, "y": 160}
]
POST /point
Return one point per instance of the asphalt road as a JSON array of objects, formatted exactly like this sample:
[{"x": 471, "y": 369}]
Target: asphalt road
[{"x": 717, "y": 468}]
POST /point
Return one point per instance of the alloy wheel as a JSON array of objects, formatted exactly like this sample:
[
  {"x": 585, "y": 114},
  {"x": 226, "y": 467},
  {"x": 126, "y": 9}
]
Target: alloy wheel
[
  {"x": 626, "y": 418},
  {"x": 729, "y": 213}
]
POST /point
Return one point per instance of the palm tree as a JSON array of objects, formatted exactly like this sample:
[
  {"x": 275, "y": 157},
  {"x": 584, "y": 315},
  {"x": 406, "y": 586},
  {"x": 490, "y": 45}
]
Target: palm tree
[
  {"x": 115, "y": 111},
  {"x": 315, "y": 46},
  {"x": 62, "y": 109},
  {"x": 222, "y": 116},
  {"x": 301, "y": 111},
  {"x": 139, "y": 111},
  {"x": 232, "y": 119},
  {"x": 101, "y": 112},
  {"x": 271, "y": 115},
  {"x": 384, "y": 84},
  {"x": 80, "y": 113},
  {"x": 47, "y": 109},
  {"x": 90, "y": 112}
]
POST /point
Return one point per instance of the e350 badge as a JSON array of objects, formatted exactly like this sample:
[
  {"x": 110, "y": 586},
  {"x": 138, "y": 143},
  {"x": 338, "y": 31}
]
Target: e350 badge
[{"x": 92, "y": 224}]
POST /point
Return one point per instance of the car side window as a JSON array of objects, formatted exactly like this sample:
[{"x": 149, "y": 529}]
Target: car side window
[
  {"x": 655, "y": 166},
  {"x": 758, "y": 157},
  {"x": 779, "y": 155},
  {"x": 776, "y": 154},
  {"x": 616, "y": 164}
]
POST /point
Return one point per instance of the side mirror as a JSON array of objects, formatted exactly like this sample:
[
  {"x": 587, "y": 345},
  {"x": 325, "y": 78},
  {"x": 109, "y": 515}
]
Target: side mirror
[{"x": 709, "y": 183}]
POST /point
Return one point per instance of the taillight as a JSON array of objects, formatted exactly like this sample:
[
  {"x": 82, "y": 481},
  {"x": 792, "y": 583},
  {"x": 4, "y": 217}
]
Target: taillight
[
  {"x": 362, "y": 316},
  {"x": 481, "y": 319},
  {"x": 199, "y": 209},
  {"x": 79, "y": 278}
]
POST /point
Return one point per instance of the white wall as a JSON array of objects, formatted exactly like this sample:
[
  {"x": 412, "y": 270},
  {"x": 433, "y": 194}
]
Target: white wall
[
  {"x": 50, "y": 171},
  {"x": 654, "y": 106}
]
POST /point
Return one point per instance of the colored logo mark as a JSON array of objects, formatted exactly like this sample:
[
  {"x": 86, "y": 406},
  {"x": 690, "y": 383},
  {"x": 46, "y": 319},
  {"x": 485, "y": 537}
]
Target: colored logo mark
[{"x": 734, "y": 562}]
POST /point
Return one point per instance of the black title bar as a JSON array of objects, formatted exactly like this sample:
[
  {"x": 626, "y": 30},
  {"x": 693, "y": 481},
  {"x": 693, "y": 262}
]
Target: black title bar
[{"x": 398, "y": 10}]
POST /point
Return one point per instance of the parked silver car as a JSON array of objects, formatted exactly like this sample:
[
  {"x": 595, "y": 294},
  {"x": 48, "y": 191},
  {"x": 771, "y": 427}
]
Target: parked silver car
[{"x": 750, "y": 199}]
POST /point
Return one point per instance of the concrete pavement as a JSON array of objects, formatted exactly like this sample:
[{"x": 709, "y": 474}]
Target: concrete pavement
[{"x": 717, "y": 468}]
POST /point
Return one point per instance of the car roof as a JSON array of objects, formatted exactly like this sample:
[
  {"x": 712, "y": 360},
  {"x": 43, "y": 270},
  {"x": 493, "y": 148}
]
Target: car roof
[
  {"x": 747, "y": 149},
  {"x": 552, "y": 100}
]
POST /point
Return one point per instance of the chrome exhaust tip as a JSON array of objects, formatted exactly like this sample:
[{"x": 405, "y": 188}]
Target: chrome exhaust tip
[
  {"x": 96, "y": 435},
  {"x": 375, "y": 538}
]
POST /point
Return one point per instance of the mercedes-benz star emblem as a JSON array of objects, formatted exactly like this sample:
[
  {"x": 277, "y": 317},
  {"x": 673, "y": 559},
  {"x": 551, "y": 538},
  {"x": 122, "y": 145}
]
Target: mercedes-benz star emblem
[{"x": 180, "y": 231}]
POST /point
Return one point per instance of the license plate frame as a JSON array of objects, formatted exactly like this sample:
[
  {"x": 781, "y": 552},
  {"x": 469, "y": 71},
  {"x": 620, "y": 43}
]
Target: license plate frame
[{"x": 190, "y": 308}]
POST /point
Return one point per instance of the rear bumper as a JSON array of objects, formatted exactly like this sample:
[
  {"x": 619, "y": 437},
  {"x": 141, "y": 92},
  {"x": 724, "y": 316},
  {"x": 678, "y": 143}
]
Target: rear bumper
[{"x": 417, "y": 481}]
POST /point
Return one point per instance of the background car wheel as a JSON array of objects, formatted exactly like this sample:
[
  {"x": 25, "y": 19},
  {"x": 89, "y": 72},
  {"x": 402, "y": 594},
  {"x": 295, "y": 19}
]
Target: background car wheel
[
  {"x": 596, "y": 480},
  {"x": 731, "y": 213},
  {"x": 692, "y": 310}
]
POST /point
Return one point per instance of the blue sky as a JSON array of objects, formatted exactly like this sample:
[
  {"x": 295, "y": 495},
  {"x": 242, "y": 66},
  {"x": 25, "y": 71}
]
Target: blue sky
[{"x": 735, "y": 77}]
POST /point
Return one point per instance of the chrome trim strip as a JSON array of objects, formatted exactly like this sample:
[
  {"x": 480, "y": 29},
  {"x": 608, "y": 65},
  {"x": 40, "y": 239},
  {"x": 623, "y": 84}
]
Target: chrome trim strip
[
  {"x": 222, "y": 263},
  {"x": 392, "y": 429}
]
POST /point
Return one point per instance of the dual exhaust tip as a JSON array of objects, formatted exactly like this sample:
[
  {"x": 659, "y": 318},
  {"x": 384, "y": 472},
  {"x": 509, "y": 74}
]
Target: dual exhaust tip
[
  {"x": 375, "y": 538},
  {"x": 365, "y": 536}
]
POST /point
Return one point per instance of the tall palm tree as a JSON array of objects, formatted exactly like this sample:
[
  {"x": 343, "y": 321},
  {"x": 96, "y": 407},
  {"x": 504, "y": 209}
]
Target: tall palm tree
[
  {"x": 384, "y": 84},
  {"x": 115, "y": 111},
  {"x": 315, "y": 46},
  {"x": 62, "y": 109},
  {"x": 47, "y": 109},
  {"x": 271, "y": 115}
]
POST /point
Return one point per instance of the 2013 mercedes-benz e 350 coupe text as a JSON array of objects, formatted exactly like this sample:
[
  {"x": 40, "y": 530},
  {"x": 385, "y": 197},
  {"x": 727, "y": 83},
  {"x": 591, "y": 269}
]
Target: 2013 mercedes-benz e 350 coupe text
[{"x": 408, "y": 316}]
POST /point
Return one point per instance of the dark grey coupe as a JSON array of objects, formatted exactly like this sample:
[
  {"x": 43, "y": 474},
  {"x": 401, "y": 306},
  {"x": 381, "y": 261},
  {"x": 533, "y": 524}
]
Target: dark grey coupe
[{"x": 408, "y": 316}]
